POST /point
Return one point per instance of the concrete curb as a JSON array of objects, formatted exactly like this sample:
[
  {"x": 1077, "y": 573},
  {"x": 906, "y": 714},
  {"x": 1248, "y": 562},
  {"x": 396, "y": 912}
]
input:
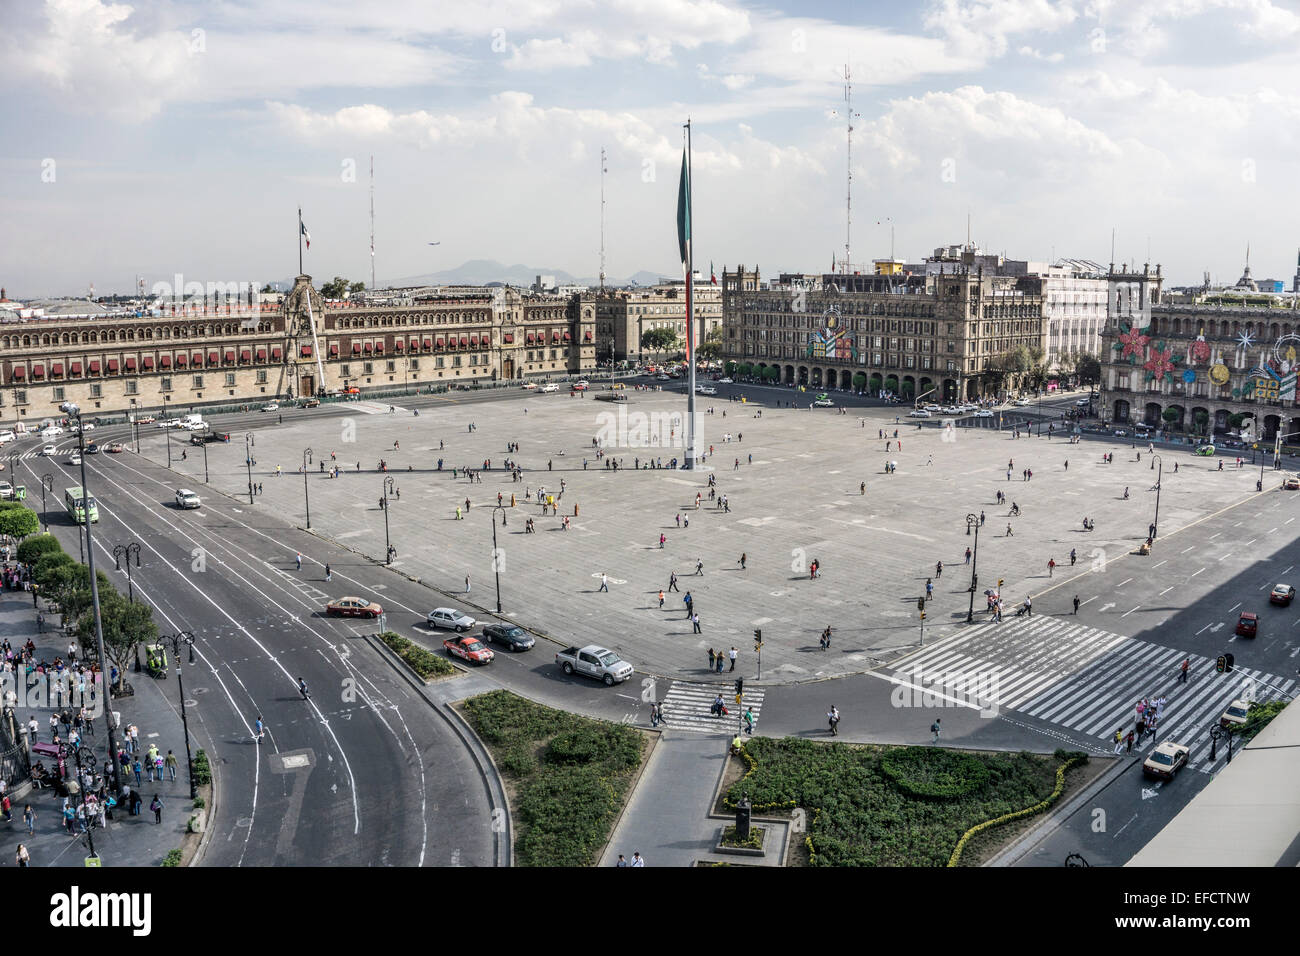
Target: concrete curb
[
  {"x": 492, "y": 783},
  {"x": 655, "y": 737},
  {"x": 784, "y": 823},
  {"x": 1048, "y": 823}
]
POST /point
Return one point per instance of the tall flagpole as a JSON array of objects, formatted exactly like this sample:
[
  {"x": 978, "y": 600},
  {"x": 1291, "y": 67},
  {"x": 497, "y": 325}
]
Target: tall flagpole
[
  {"x": 300, "y": 240},
  {"x": 690, "y": 314}
]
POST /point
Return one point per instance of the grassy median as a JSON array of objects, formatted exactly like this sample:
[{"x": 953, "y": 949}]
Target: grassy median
[
  {"x": 425, "y": 663},
  {"x": 567, "y": 776}
]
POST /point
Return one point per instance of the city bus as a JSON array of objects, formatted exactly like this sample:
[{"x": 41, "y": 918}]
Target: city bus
[{"x": 77, "y": 505}]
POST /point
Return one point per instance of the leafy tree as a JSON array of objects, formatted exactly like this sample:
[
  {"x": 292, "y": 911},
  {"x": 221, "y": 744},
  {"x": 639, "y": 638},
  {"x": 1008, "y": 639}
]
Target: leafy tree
[
  {"x": 32, "y": 548},
  {"x": 1088, "y": 368},
  {"x": 126, "y": 626},
  {"x": 1066, "y": 363},
  {"x": 771, "y": 373},
  {"x": 336, "y": 288},
  {"x": 995, "y": 372},
  {"x": 1202, "y": 418},
  {"x": 45, "y": 565},
  {"x": 267, "y": 288},
  {"x": 746, "y": 369},
  {"x": 659, "y": 340},
  {"x": 1170, "y": 415},
  {"x": 730, "y": 368},
  {"x": 356, "y": 287},
  {"x": 860, "y": 381},
  {"x": 711, "y": 347},
  {"x": 19, "y": 522}
]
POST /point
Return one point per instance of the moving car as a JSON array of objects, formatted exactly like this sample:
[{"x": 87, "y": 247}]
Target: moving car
[
  {"x": 74, "y": 458},
  {"x": 918, "y": 413},
  {"x": 725, "y": 381},
  {"x": 1119, "y": 432},
  {"x": 6, "y": 490},
  {"x": 1247, "y": 624},
  {"x": 663, "y": 378},
  {"x": 449, "y": 618},
  {"x": 580, "y": 386},
  {"x": 145, "y": 420},
  {"x": 550, "y": 387},
  {"x": 271, "y": 407},
  {"x": 984, "y": 413},
  {"x": 594, "y": 661},
  {"x": 114, "y": 448},
  {"x": 509, "y": 636},
  {"x": 1291, "y": 484},
  {"x": 49, "y": 451},
  {"x": 6, "y": 437},
  {"x": 1282, "y": 594},
  {"x": 1206, "y": 450},
  {"x": 187, "y": 499},
  {"x": 529, "y": 385},
  {"x": 353, "y": 607},
  {"x": 51, "y": 431},
  {"x": 1083, "y": 403},
  {"x": 706, "y": 390},
  {"x": 468, "y": 649},
  {"x": 309, "y": 403},
  {"x": 1166, "y": 760},
  {"x": 92, "y": 449},
  {"x": 1236, "y": 714},
  {"x": 1022, "y": 402}
]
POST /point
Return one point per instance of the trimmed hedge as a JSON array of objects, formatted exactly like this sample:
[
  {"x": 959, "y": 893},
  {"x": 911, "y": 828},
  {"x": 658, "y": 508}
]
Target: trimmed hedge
[
  {"x": 425, "y": 663},
  {"x": 914, "y": 814},
  {"x": 570, "y": 775},
  {"x": 202, "y": 769},
  {"x": 173, "y": 858}
]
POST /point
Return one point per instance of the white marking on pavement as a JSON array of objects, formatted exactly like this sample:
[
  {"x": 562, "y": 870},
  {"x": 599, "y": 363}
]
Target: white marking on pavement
[
  {"x": 1202, "y": 630},
  {"x": 1185, "y": 550},
  {"x": 1128, "y": 612},
  {"x": 1195, "y": 573},
  {"x": 1166, "y": 590},
  {"x": 1093, "y": 598},
  {"x": 1124, "y": 582},
  {"x": 1154, "y": 566}
]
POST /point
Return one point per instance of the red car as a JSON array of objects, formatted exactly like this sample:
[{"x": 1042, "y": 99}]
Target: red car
[
  {"x": 354, "y": 607},
  {"x": 468, "y": 649},
  {"x": 1247, "y": 624}
]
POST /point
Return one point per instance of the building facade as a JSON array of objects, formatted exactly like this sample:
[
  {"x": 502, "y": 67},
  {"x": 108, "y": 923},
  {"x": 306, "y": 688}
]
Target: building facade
[
  {"x": 622, "y": 316},
  {"x": 304, "y": 346},
  {"x": 909, "y": 335}
]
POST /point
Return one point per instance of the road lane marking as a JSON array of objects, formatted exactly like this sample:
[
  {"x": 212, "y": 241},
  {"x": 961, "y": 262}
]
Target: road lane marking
[
  {"x": 1154, "y": 566},
  {"x": 1195, "y": 573},
  {"x": 1202, "y": 630},
  {"x": 1185, "y": 550},
  {"x": 1124, "y": 582},
  {"x": 1093, "y": 598},
  {"x": 1127, "y": 613},
  {"x": 1234, "y": 607},
  {"x": 1167, "y": 590},
  {"x": 1217, "y": 533}
]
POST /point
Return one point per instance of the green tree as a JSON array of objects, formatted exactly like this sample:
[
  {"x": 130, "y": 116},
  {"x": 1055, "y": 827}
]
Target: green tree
[
  {"x": 19, "y": 522},
  {"x": 336, "y": 288},
  {"x": 995, "y": 372},
  {"x": 711, "y": 347},
  {"x": 771, "y": 373},
  {"x": 45, "y": 565},
  {"x": 32, "y": 548},
  {"x": 356, "y": 287},
  {"x": 859, "y": 381},
  {"x": 746, "y": 369},
  {"x": 126, "y": 626},
  {"x": 730, "y": 368},
  {"x": 1088, "y": 367},
  {"x": 1170, "y": 415},
  {"x": 659, "y": 340},
  {"x": 266, "y": 289},
  {"x": 1202, "y": 419}
]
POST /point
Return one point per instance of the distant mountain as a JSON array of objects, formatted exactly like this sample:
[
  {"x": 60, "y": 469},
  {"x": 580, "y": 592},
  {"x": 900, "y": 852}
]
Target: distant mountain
[{"x": 484, "y": 271}]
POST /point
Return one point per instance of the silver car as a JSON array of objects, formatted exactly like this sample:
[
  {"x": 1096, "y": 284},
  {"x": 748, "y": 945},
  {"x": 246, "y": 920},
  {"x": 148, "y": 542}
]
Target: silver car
[
  {"x": 187, "y": 499},
  {"x": 449, "y": 618}
]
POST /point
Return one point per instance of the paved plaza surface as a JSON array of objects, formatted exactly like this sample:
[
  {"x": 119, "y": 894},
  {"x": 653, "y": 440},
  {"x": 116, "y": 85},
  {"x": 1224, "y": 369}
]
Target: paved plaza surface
[{"x": 799, "y": 500}]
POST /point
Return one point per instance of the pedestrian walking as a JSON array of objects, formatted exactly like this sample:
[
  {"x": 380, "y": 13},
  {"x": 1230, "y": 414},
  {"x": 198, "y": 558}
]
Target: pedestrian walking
[
  {"x": 742, "y": 561},
  {"x": 622, "y": 861},
  {"x": 1009, "y": 533},
  {"x": 329, "y": 574},
  {"x": 170, "y": 762},
  {"x": 661, "y": 600},
  {"x": 672, "y": 581},
  {"x": 1182, "y": 671},
  {"x": 718, "y": 667},
  {"x": 1074, "y": 555},
  {"x": 638, "y": 859},
  {"x": 749, "y": 721},
  {"x": 938, "y": 570},
  {"x": 156, "y": 806},
  {"x": 833, "y": 719},
  {"x": 688, "y": 601},
  {"x": 138, "y": 769},
  {"x": 695, "y": 624},
  {"x": 29, "y": 818},
  {"x": 604, "y": 583},
  {"x": 298, "y": 560},
  {"x": 1051, "y": 566},
  {"x": 1076, "y": 604},
  {"x": 467, "y": 584},
  {"x": 1119, "y": 740},
  {"x": 699, "y": 567},
  {"x": 22, "y": 857},
  {"x": 711, "y": 661},
  {"x": 662, "y": 539},
  {"x": 732, "y": 654},
  {"x": 968, "y": 555},
  {"x": 935, "y": 729}
]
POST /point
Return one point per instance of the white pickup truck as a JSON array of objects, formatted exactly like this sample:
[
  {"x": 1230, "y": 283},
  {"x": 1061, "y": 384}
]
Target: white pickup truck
[{"x": 594, "y": 661}]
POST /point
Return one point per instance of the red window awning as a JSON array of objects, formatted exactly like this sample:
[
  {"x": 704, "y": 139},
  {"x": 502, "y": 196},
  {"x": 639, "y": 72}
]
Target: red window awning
[
  {"x": 245, "y": 355},
  {"x": 508, "y": 336},
  {"x": 415, "y": 344},
  {"x": 464, "y": 341},
  {"x": 148, "y": 362},
  {"x": 473, "y": 341},
  {"x": 586, "y": 336},
  {"x": 441, "y": 342},
  {"x": 399, "y": 345},
  {"x": 428, "y": 343},
  {"x": 379, "y": 347},
  {"x": 56, "y": 368},
  {"x": 334, "y": 348},
  {"x": 94, "y": 368},
  {"x": 75, "y": 367},
  {"x": 555, "y": 336},
  {"x": 356, "y": 348},
  {"x": 181, "y": 361},
  {"x": 19, "y": 373},
  {"x": 214, "y": 358},
  {"x": 531, "y": 338},
  {"x": 230, "y": 355},
  {"x": 566, "y": 335},
  {"x": 130, "y": 364},
  {"x": 368, "y": 347},
  {"x": 38, "y": 370},
  {"x": 197, "y": 360},
  {"x": 112, "y": 365},
  {"x": 306, "y": 351},
  {"x": 166, "y": 361},
  {"x": 261, "y": 355},
  {"x": 275, "y": 354}
]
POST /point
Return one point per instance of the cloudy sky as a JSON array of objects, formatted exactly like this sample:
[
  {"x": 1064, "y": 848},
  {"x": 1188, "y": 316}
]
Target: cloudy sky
[{"x": 158, "y": 138}]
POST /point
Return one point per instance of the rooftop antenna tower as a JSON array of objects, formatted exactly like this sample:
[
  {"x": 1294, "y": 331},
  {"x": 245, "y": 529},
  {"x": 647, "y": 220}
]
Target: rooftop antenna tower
[
  {"x": 372, "y": 223},
  {"x": 848, "y": 192},
  {"x": 603, "y": 171}
]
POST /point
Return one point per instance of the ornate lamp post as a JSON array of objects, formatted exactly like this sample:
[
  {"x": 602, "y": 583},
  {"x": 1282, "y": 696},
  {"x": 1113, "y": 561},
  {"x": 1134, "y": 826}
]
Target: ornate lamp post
[
  {"x": 496, "y": 554},
  {"x": 306, "y": 460},
  {"x": 176, "y": 642},
  {"x": 125, "y": 551},
  {"x": 388, "y": 547},
  {"x": 973, "y": 520}
]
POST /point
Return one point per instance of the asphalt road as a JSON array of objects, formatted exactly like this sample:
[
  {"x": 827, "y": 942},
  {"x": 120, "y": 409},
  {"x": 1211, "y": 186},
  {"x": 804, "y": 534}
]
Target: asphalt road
[{"x": 366, "y": 772}]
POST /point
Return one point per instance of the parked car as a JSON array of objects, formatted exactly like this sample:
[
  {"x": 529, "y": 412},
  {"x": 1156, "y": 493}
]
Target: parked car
[
  {"x": 1166, "y": 760},
  {"x": 1083, "y": 403},
  {"x": 1022, "y": 402},
  {"x": 468, "y": 649},
  {"x": 187, "y": 499},
  {"x": 308, "y": 402},
  {"x": 353, "y": 607},
  {"x": 449, "y": 618},
  {"x": 145, "y": 420},
  {"x": 580, "y": 386},
  {"x": 1247, "y": 624},
  {"x": 509, "y": 636},
  {"x": 1236, "y": 714},
  {"x": 1282, "y": 594},
  {"x": 594, "y": 661},
  {"x": 6, "y": 490}
]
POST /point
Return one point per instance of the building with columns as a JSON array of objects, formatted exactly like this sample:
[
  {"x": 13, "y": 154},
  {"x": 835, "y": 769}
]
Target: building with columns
[
  {"x": 622, "y": 315},
  {"x": 300, "y": 347}
]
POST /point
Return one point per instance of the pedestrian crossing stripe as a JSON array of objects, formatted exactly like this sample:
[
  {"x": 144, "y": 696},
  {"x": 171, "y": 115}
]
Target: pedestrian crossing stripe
[
  {"x": 686, "y": 707},
  {"x": 1088, "y": 680},
  {"x": 375, "y": 408}
]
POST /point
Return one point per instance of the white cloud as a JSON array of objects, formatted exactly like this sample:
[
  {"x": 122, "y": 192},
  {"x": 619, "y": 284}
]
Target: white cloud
[
  {"x": 1039, "y": 55},
  {"x": 737, "y": 81},
  {"x": 981, "y": 28}
]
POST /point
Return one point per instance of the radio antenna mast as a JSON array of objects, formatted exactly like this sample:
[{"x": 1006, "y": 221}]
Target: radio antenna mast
[
  {"x": 372, "y": 223},
  {"x": 848, "y": 190}
]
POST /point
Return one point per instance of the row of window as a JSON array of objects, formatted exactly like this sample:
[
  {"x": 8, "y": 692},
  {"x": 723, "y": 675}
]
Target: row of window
[
  {"x": 92, "y": 336},
  {"x": 787, "y": 302}
]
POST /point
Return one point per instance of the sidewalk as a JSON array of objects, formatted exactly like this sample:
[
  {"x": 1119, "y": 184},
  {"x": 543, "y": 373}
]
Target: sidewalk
[{"x": 127, "y": 840}]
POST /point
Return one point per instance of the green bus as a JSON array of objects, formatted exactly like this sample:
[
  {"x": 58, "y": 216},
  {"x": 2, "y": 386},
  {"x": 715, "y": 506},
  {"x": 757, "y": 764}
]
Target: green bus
[{"x": 78, "y": 504}]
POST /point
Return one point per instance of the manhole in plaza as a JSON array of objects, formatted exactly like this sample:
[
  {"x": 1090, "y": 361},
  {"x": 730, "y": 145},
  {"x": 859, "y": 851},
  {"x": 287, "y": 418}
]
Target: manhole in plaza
[
  {"x": 293, "y": 761},
  {"x": 244, "y": 822},
  {"x": 191, "y": 703}
]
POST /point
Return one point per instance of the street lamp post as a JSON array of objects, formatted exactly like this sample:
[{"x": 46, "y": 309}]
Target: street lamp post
[
  {"x": 167, "y": 432},
  {"x": 1155, "y": 522},
  {"x": 388, "y": 547},
  {"x": 47, "y": 484},
  {"x": 135, "y": 425},
  {"x": 496, "y": 553},
  {"x": 248, "y": 461},
  {"x": 85, "y": 795},
  {"x": 205, "y": 461},
  {"x": 121, "y": 551},
  {"x": 73, "y": 411},
  {"x": 176, "y": 641},
  {"x": 973, "y": 520},
  {"x": 306, "y": 460}
]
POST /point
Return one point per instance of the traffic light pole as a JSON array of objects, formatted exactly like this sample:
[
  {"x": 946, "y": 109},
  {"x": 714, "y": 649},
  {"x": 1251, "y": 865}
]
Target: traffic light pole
[{"x": 758, "y": 649}]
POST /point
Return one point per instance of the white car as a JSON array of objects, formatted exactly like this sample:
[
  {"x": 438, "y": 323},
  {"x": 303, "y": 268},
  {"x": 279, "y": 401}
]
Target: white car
[
  {"x": 193, "y": 426},
  {"x": 168, "y": 423},
  {"x": 1083, "y": 403},
  {"x": 663, "y": 378},
  {"x": 918, "y": 413},
  {"x": 49, "y": 451},
  {"x": 1022, "y": 402},
  {"x": 706, "y": 390},
  {"x": 529, "y": 385},
  {"x": 74, "y": 459},
  {"x": 594, "y": 661},
  {"x": 550, "y": 387},
  {"x": 725, "y": 381},
  {"x": 449, "y": 618},
  {"x": 984, "y": 413},
  {"x": 7, "y": 437},
  {"x": 52, "y": 431},
  {"x": 951, "y": 410},
  {"x": 271, "y": 407},
  {"x": 187, "y": 499},
  {"x": 931, "y": 407}
]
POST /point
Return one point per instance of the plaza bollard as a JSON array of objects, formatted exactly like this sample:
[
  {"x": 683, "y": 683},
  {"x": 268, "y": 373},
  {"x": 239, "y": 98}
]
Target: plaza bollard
[
  {"x": 575, "y": 509},
  {"x": 512, "y": 501},
  {"x": 742, "y": 818}
]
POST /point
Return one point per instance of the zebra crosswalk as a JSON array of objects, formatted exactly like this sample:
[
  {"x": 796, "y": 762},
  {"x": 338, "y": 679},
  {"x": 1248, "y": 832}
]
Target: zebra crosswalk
[
  {"x": 1086, "y": 679},
  {"x": 686, "y": 707},
  {"x": 375, "y": 408}
]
